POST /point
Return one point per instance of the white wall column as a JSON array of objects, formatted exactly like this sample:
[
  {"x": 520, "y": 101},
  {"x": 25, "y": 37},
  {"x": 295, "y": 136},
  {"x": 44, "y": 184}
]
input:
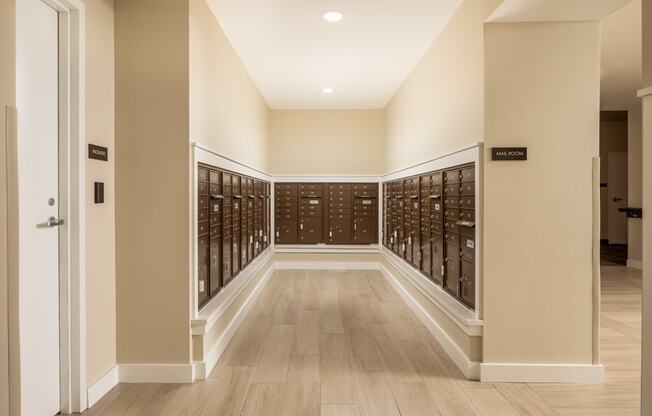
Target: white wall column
[{"x": 646, "y": 368}]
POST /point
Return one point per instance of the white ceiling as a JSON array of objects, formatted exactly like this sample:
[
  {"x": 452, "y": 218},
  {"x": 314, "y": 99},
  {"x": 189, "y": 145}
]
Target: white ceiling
[
  {"x": 554, "y": 10},
  {"x": 292, "y": 53}
]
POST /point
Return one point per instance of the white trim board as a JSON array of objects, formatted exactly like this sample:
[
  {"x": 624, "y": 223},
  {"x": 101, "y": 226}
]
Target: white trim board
[
  {"x": 102, "y": 386},
  {"x": 469, "y": 368},
  {"x": 216, "y": 307},
  {"x": 460, "y": 156},
  {"x": 203, "y": 368},
  {"x": 463, "y": 317},
  {"x": 541, "y": 373}
]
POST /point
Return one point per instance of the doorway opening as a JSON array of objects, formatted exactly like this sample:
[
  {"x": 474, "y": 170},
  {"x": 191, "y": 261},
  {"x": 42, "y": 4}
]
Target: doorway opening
[{"x": 613, "y": 188}]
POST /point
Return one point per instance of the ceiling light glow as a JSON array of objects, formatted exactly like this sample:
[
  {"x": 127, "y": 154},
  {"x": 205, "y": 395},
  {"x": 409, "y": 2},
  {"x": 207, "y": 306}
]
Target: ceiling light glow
[
  {"x": 333, "y": 16},
  {"x": 328, "y": 90}
]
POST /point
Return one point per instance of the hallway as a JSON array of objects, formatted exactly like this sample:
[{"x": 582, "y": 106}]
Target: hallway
[{"x": 343, "y": 343}]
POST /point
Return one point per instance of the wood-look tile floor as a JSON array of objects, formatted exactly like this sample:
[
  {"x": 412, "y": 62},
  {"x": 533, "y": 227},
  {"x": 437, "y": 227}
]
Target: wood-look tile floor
[{"x": 344, "y": 344}]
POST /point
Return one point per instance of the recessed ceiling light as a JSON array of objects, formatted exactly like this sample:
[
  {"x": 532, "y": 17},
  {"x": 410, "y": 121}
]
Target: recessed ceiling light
[
  {"x": 333, "y": 16},
  {"x": 328, "y": 91}
]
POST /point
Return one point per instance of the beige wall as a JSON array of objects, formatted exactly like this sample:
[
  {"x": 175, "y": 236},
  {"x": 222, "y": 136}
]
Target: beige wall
[
  {"x": 7, "y": 98},
  {"x": 152, "y": 181},
  {"x": 647, "y": 43},
  {"x": 100, "y": 219},
  {"x": 227, "y": 113},
  {"x": 613, "y": 138},
  {"x": 439, "y": 107},
  {"x": 327, "y": 142},
  {"x": 635, "y": 182},
  {"x": 538, "y": 229}
]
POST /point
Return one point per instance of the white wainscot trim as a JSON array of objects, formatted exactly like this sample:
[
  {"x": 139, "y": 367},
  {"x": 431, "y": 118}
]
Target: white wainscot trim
[
  {"x": 102, "y": 386},
  {"x": 470, "y": 369},
  {"x": 203, "y": 368},
  {"x": 463, "y": 317},
  {"x": 542, "y": 373},
  {"x": 635, "y": 264},
  {"x": 216, "y": 307},
  {"x": 155, "y": 373}
]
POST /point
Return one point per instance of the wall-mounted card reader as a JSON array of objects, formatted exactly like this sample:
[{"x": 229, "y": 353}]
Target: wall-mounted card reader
[{"x": 99, "y": 192}]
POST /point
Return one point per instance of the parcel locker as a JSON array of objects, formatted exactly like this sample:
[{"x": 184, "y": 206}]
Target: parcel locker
[
  {"x": 287, "y": 232},
  {"x": 310, "y": 230},
  {"x": 467, "y": 283},
  {"x": 244, "y": 246},
  {"x": 215, "y": 261},
  {"x": 438, "y": 266},
  {"x": 340, "y": 232},
  {"x": 364, "y": 230},
  {"x": 414, "y": 227},
  {"x": 235, "y": 245},
  {"x": 203, "y": 269},
  {"x": 452, "y": 273}
]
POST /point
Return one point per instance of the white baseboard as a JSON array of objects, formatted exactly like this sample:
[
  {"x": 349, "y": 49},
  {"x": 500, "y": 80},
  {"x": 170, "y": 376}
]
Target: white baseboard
[
  {"x": 326, "y": 265},
  {"x": 541, "y": 373},
  {"x": 470, "y": 369},
  {"x": 155, "y": 373},
  {"x": 203, "y": 368},
  {"x": 102, "y": 386},
  {"x": 635, "y": 264}
]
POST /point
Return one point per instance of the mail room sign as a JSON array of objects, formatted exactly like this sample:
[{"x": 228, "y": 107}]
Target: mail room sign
[{"x": 509, "y": 153}]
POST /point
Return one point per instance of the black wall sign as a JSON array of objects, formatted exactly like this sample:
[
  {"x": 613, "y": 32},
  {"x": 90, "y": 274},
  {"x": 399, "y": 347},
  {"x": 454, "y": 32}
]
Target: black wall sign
[
  {"x": 98, "y": 152},
  {"x": 509, "y": 153}
]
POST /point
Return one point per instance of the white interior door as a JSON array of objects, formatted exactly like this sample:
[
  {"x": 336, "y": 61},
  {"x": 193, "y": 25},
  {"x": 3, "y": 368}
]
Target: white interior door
[
  {"x": 617, "y": 197},
  {"x": 37, "y": 96}
]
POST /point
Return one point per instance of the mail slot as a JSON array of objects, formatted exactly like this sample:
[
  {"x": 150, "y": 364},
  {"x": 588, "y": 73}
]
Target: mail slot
[
  {"x": 467, "y": 175},
  {"x": 202, "y": 201},
  {"x": 202, "y": 228},
  {"x": 364, "y": 194},
  {"x": 468, "y": 248},
  {"x": 451, "y": 176},
  {"x": 365, "y": 187},
  {"x": 202, "y": 215},
  {"x": 467, "y": 188},
  {"x": 339, "y": 186},
  {"x": 452, "y": 213},
  {"x": 310, "y": 193},
  {"x": 202, "y": 175},
  {"x": 215, "y": 176},
  {"x": 467, "y": 201},
  {"x": 467, "y": 215},
  {"x": 215, "y": 189},
  {"x": 202, "y": 188}
]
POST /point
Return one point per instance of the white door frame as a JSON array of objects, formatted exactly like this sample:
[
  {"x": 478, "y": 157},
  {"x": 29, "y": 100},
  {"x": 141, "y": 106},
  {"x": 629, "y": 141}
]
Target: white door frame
[{"x": 72, "y": 240}]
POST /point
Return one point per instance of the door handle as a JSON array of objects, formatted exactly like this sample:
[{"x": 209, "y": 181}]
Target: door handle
[
  {"x": 54, "y": 222},
  {"x": 617, "y": 199}
]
